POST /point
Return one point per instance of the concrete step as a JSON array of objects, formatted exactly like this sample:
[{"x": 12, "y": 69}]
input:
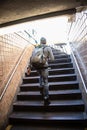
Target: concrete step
[
  {"x": 52, "y": 86},
  {"x": 61, "y": 65},
  {"x": 55, "y": 78},
  {"x": 54, "y": 71},
  {"x": 53, "y": 95},
  {"x": 60, "y": 60},
  {"x": 39, "y": 127},
  {"x": 49, "y": 118},
  {"x": 61, "y": 56},
  {"x": 58, "y": 106}
]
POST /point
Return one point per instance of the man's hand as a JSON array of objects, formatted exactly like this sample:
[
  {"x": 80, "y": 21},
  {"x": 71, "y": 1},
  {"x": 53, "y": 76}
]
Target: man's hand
[{"x": 28, "y": 70}]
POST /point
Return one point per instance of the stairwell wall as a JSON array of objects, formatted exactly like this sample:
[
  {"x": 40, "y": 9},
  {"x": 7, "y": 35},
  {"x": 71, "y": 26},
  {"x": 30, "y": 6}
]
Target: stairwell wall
[
  {"x": 78, "y": 38},
  {"x": 11, "y": 48}
]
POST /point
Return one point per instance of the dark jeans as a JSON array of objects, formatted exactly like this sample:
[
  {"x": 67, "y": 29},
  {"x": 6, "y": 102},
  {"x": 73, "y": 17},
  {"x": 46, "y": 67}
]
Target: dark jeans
[{"x": 43, "y": 80}]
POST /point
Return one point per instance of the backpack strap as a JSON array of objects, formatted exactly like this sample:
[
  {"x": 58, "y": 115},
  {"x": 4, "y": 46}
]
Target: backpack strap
[
  {"x": 43, "y": 52},
  {"x": 44, "y": 48}
]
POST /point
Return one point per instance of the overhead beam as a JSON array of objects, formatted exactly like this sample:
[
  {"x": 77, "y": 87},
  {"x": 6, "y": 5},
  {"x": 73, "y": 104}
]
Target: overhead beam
[{"x": 41, "y": 16}]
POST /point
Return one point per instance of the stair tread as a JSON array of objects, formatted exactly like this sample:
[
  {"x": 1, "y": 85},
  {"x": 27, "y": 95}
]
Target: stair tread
[
  {"x": 48, "y": 115},
  {"x": 51, "y": 83},
  {"x": 53, "y": 103},
  {"x": 60, "y": 55},
  {"x": 63, "y": 58},
  {"x": 23, "y": 127},
  {"x": 51, "y": 92},
  {"x": 57, "y": 69},
  {"x": 51, "y": 76},
  {"x": 60, "y": 59},
  {"x": 60, "y": 63}
]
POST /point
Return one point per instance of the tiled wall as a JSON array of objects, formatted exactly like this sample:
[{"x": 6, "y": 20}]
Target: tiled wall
[
  {"x": 78, "y": 38},
  {"x": 11, "y": 47}
]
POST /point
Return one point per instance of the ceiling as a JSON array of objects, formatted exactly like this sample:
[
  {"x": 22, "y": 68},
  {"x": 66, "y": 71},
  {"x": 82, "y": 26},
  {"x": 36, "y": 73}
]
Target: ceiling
[{"x": 19, "y": 11}]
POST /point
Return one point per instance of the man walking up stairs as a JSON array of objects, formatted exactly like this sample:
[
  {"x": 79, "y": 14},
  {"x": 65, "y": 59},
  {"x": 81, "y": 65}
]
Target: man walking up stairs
[{"x": 67, "y": 108}]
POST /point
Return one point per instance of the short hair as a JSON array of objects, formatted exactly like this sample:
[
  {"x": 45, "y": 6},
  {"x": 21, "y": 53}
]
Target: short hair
[{"x": 43, "y": 40}]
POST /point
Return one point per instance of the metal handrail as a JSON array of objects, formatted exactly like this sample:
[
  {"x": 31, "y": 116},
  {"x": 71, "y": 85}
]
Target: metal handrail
[
  {"x": 77, "y": 66},
  {"x": 84, "y": 85},
  {"x": 6, "y": 86}
]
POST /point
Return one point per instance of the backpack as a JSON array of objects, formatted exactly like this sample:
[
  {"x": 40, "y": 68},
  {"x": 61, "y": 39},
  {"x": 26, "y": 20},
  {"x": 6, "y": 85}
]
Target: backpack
[{"x": 38, "y": 58}]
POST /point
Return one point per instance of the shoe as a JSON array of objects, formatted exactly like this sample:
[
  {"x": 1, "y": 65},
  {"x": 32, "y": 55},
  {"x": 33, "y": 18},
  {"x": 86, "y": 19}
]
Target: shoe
[{"x": 47, "y": 102}]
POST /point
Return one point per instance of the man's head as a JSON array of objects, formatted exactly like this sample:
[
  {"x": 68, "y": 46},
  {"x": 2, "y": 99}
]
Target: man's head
[{"x": 43, "y": 40}]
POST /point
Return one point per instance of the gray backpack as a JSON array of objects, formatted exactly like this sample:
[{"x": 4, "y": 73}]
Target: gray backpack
[{"x": 38, "y": 59}]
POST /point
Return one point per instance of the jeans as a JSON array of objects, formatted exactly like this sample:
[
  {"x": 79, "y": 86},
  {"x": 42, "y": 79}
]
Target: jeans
[{"x": 43, "y": 80}]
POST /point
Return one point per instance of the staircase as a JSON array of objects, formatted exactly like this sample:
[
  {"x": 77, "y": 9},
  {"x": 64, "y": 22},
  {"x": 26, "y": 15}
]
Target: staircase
[{"x": 66, "y": 111}]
